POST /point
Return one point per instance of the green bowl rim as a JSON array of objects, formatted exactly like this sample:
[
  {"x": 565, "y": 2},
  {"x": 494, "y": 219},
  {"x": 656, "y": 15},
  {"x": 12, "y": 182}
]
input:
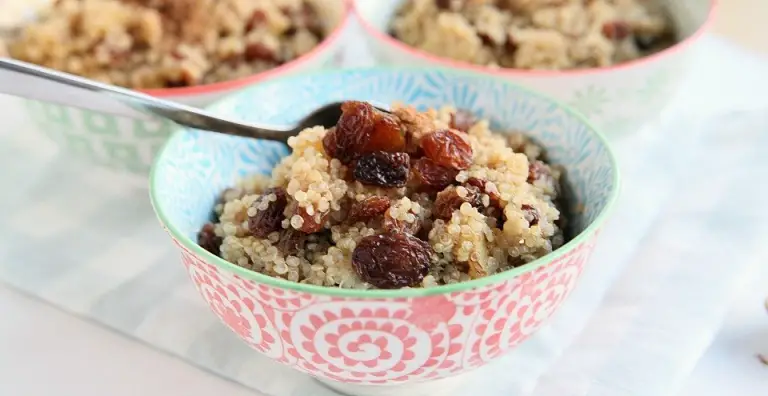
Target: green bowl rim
[{"x": 395, "y": 293}]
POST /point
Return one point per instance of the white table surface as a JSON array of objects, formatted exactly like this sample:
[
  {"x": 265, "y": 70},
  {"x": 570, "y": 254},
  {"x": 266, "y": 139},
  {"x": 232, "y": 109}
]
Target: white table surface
[{"x": 44, "y": 351}]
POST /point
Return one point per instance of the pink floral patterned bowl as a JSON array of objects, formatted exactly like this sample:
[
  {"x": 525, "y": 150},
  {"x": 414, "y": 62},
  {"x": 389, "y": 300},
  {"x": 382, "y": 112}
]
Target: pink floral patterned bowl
[
  {"x": 369, "y": 341},
  {"x": 618, "y": 99}
]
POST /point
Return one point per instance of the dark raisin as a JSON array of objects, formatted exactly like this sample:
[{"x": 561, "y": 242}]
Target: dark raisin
[
  {"x": 291, "y": 241},
  {"x": 447, "y": 148},
  {"x": 616, "y": 30},
  {"x": 537, "y": 170},
  {"x": 353, "y": 131},
  {"x": 531, "y": 214},
  {"x": 486, "y": 40},
  {"x": 368, "y": 209},
  {"x": 269, "y": 220},
  {"x": 383, "y": 169},
  {"x": 444, "y": 4},
  {"x": 391, "y": 260},
  {"x": 645, "y": 42},
  {"x": 495, "y": 207},
  {"x": 401, "y": 226},
  {"x": 487, "y": 188},
  {"x": 462, "y": 120},
  {"x": 312, "y": 223},
  {"x": 309, "y": 19},
  {"x": 431, "y": 176},
  {"x": 449, "y": 201},
  {"x": 259, "y": 51},
  {"x": 388, "y": 134},
  {"x": 208, "y": 240},
  {"x": 510, "y": 46}
]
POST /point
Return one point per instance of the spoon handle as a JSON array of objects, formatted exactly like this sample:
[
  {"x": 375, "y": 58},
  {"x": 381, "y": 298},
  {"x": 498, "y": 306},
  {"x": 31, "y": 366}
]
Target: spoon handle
[{"x": 34, "y": 82}]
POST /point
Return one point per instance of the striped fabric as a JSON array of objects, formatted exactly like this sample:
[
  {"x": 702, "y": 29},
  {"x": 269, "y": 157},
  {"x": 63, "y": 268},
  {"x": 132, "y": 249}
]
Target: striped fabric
[{"x": 686, "y": 232}]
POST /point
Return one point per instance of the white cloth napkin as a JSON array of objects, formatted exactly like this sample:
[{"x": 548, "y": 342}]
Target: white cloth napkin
[{"x": 685, "y": 233}]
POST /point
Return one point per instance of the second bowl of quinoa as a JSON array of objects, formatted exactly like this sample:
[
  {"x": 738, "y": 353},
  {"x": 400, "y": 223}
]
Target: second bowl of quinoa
[
  {"x": 619, "y": 62},
  {"x": 394, "y": 251},
  {"x": 193, "y": 52}
]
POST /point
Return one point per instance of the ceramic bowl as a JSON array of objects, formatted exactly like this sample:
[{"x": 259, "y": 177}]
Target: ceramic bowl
[
  {"x": 618, "y": 99},
  {"x": 130, "y": 145},
  {"x": 372, "y": 341}
]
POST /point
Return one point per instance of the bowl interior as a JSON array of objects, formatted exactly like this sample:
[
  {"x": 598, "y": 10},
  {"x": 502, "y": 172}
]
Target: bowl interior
[
  {"x": 689, "y": 16},
  {"x": 194, "y": 166}
]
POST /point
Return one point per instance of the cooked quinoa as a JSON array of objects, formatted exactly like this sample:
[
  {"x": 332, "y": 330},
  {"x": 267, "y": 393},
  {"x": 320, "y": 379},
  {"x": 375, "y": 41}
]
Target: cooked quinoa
[
  {"x": 535, "y": 34},
  {"x": 147, "y": 44},
  {"x": 313, "y": 221}
]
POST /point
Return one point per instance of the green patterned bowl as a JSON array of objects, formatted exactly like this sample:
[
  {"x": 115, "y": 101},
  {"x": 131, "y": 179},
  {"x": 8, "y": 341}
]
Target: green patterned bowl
[
  {"x": 617, "y": 99},
  {"x": 129, "y": 145}
]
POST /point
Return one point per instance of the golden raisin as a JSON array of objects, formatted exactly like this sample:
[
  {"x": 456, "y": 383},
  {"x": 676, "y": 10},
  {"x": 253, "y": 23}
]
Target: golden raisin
[
  {"x": 447, "y": 148},
  {"x": 616, "y": 30},
  {"x": 449, "y": 200},
  {"x": 353, "y": 131},
  {"x": 368, "y": 209},
  {"x": 388, "y": 134},
  {"x": 310, "y": 223},
  {"x": 431, "y": 176}
]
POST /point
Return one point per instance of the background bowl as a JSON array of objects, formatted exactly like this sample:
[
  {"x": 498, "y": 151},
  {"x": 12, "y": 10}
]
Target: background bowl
[
  {"x": 130, "y": 145},
  {"x": 618, "y": 99},
  {"x": 392, "y": 337}
]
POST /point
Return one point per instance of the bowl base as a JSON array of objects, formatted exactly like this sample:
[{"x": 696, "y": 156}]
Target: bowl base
[{"x": 444, "y": 386}]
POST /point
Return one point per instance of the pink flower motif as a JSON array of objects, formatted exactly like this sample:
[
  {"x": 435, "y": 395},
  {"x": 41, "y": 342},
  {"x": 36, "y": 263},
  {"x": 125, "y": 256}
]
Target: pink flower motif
[
  {"x": 231, "y": 318},
  {"x": 429, "y": 312}
]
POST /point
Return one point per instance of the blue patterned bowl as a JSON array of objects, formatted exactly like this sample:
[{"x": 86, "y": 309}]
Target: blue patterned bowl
[{"x": 404, "y": 337}]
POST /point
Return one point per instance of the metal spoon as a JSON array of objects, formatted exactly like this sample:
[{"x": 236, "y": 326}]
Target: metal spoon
[{"x": 34, "y": 82}]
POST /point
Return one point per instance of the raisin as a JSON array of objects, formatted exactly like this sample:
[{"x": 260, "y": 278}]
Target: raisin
[
  {"x": 391, "y": 260},
  {"x": 537, "y": 170},
  {"x": 388, "y": 134},
  {"x": 269, "y": 220},
  {"x": 616, "y": 30},
  {"x": 495, "y": 208},
  {"x": 511, "y": 45},
  {"x": 645, "y": 42},
  {"x": 443, "y": 4},
  {"x": 383, "y": 169},
  {"x": 401, "y": 226},
  {"x": 530, "y": 214},
  {"x": 368, "y": 209},
  {"x": 447, "y": 148},
  {"x": 291, "y": 241},
  {"x": 432, "y": 176},
  {"x": 462, "y": 120},
  {"x": 259, "y": 51},
  {"x": 329, "y": 142},
  {"x": 312, "y": 222},
  {"x": 486, "y": 188},
  {"x": 312, "y": 21},
  {"x": 257, "y": 18},
  {"x": 353, "y": 131},
  {"x": 486, "y": 39},
  {"x": 449, "y": 201},
  {"x": 208, "y": 240}
]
